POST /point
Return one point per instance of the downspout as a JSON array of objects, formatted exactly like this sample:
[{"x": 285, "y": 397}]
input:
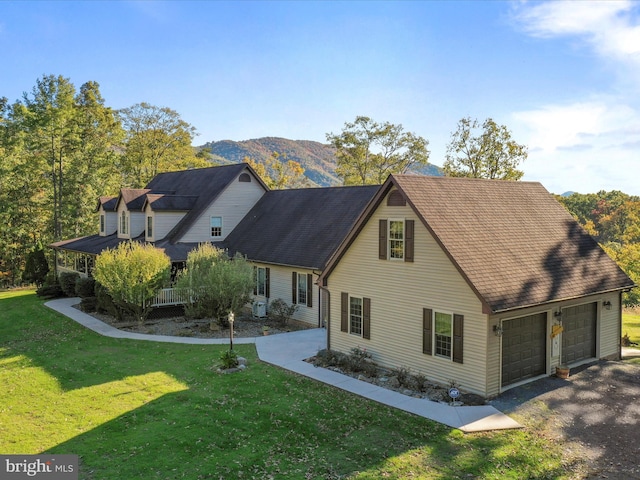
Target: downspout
[{"x": 328, "y": 322}]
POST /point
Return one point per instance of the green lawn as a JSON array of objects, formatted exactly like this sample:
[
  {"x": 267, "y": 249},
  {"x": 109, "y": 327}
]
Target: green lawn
[
  {"x": 631, "y": 325},
  {"x": 143, "y": 410}
]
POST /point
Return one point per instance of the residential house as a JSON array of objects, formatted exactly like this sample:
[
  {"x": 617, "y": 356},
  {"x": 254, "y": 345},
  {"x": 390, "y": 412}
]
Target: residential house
[
  {"x": 484, "y": 283},
  {"x": 288, "y": 235}
]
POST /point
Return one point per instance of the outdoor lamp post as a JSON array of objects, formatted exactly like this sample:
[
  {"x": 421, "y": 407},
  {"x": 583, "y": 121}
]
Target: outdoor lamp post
[{"x": 231, "y": 318}]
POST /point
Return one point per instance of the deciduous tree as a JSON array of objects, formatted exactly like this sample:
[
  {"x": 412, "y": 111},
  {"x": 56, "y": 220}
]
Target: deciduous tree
[
  {"x": 279, "y": 173},
  {"x": 157, "y": 140},
  {"x": 367, "y": 151},
  {"x": 484, "y": 151}
]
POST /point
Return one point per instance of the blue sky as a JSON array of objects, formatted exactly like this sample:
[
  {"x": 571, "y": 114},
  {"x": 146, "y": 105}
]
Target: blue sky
[{"x": 564, "y": 77}]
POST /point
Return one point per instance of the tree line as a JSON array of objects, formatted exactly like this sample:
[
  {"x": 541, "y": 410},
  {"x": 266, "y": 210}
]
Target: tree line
[{"x": 61, "y": 148}]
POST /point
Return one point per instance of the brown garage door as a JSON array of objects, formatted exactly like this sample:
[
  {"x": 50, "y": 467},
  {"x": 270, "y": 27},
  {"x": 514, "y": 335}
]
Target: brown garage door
[
  {"x": 579, "y": 333},
  {"x": 523, "y": 348}
]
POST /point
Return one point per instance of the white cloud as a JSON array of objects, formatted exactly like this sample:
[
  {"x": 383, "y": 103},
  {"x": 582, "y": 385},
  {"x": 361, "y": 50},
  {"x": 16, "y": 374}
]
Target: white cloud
[
  {"x": 585, "y": 146},
  {"x": 610, "y": 27}
]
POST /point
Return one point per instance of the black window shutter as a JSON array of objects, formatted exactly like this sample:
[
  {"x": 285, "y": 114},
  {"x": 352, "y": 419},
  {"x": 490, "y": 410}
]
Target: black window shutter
[
  {"x": 255, "y": 280},
  {"x": 344, "y": 312},
  {"x": 267, "y": 281},
  {"x": 458, "y": 322},
  {"x": 294, "y": 288},
  {"x": 309, "y": 290},
  {"x": 366, "y": 318},
  {"x": 427, "y": 329},
  {"x": 408, "y": 241},
  {"x": 382, "y": 240}
]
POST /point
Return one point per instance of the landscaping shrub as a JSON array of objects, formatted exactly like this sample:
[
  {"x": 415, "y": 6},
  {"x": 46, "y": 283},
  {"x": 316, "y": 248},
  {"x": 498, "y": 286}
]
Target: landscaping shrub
[
  {"x": 85, "y": 287},
  {"x": 280, "y": 312},
  {"x": 88, "y": 304},
  {"x": 50, "y": 291},
  {"x": 228, "y": 359},
  {"x": 105, "y": 304},
  {"x": 68, "y": 283},
  {"x": 36, "y": 267}
]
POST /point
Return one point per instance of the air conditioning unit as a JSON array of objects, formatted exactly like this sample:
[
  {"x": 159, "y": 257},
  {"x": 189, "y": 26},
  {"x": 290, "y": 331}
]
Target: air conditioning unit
[{"x": 259, "y": 309}]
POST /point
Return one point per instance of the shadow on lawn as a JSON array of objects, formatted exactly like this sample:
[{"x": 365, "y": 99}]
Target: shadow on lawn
[{"x": 261, "y": 423}]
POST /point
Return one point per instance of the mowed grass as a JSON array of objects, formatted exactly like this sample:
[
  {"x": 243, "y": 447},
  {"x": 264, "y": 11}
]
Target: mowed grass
[
  {"x": 631, "y": 324},
  {"x": 145, "y": 410}
]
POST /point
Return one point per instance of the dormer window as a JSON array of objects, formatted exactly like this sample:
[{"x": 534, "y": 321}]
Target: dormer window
[
  {"x": 102, "y": 223},
  {"x": 150, "y": 226},
  {"x": 216, "y": 227},
  {"x": 124, "y": 223}
]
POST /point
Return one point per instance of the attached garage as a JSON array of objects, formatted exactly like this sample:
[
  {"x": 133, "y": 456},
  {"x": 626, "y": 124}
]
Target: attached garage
[
  {"x": 579, "y": 333},
  {"x": 524, "y": 348}
]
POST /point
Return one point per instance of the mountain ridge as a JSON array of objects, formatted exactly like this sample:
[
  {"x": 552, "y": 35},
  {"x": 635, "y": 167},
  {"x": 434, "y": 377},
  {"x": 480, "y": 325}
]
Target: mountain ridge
[{"x": 317, "y": 159}]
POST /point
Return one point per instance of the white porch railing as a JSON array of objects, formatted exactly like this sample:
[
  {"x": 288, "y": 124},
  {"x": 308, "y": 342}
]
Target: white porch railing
[{"x": 171, "y": 296}]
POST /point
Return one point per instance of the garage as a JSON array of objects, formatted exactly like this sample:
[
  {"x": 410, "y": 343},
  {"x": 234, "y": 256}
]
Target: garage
[
  {"x": 579, "y": 333},
  {"x": 523, "y": 348}
]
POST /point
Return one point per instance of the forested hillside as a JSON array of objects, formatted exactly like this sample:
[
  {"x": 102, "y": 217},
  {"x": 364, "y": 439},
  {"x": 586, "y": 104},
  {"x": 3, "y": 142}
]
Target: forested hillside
[
  {"x": 613, "y": 219},
  {"x": 317, "y": 159}
]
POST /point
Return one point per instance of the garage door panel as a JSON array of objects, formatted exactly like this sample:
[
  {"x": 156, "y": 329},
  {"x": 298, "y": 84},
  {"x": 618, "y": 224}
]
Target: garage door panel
[
  {"x": 523, "y": 348},
  {"x": 579, "y": 333}
]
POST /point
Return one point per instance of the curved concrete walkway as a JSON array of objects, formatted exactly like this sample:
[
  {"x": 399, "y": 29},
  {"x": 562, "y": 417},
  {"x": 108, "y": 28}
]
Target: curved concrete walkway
[{"x": 288, "y": 350}]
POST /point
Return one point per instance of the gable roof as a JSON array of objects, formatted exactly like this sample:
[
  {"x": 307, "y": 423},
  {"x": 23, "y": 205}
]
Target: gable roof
[
  {"x": 132, "y": 197},
  {"x": 300, "y": 227},
  {"x": 205, "y": 183},
  {"x": 513, "y": 243}
]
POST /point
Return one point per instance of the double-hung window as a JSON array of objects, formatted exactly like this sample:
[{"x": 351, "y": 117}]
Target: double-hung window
[
  {"x": 261, "y": 281},
  {"x": 150, "y": 226},
  {"x": 442, "y": 334},
  {"x": 124, "y": 223},
  {"x": 396, "y": 239},
  {"x": 302, "y": 289},
  {"x": 102, "y": 223},
  {"x": 355, "y": 316},
  {"x": 216, "y": 227}
]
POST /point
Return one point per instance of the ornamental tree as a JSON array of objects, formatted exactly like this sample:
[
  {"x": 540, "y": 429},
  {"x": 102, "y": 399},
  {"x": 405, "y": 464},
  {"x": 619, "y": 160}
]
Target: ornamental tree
[{"x": 133, "y": 274}]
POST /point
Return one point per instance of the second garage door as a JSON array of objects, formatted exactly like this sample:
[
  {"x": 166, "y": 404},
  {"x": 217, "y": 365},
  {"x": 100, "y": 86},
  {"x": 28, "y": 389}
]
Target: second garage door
[
  {"x": 523, "y": 348},
  {"x": 579, "y": 335}
]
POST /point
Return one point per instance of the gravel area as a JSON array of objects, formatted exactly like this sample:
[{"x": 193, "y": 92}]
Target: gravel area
[
  {"x": 595, "y": 413},
  {"x": 244, "y": 326}
]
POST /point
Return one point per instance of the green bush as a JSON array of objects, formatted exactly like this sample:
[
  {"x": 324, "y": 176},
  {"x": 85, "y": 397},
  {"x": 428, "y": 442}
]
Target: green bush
[
  {"x": 228, "y": 359},
  {"x": 85, "y": 287},
  {"x": 88, "y": 304},
  {"x": 280, "y": 312},
  {"x": 68, "y": 283},
  {"x": 36, "y": 267},
  {"x": 105, "y": 304},
  {"x": 50, "y": 291}
]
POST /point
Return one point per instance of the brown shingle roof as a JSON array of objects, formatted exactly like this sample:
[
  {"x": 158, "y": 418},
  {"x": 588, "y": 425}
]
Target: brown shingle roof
[{"x": 514, "y": 243}]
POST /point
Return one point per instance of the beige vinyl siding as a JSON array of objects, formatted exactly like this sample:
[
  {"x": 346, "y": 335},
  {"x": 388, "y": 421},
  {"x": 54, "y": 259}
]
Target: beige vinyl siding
[
  {"x": 609, "y": 326},
  {"x": 163, "y": 222},
  {"x": 232, "y": 205},
  {"x": 110, "y": 222},
  {"x": 399, "y": 291},
  {"x": 280, "y": 287}
]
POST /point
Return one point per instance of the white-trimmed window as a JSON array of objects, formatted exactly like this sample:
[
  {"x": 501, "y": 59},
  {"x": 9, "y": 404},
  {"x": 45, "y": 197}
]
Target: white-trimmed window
[
  {"x": 443, "y": 334},
  {"x": 124, "y": 223},
  {"x": 302, "y": 289},
  {"x": 102, "y": 223},
  {"x": 150, "y": 226},
  {"x": 396, "y": 239},
  {"x": 216, "y": 227},
  {"x": 355, "y": 316},
  {"x": 261, "y": 281}
]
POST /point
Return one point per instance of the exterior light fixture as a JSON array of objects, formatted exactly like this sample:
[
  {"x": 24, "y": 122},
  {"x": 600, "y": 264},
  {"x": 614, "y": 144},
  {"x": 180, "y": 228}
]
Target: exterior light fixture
[
  {"x": 557, "y": 314},
  {"x": 607, "y": 304},
  {"x": 497, "y": 330}
]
